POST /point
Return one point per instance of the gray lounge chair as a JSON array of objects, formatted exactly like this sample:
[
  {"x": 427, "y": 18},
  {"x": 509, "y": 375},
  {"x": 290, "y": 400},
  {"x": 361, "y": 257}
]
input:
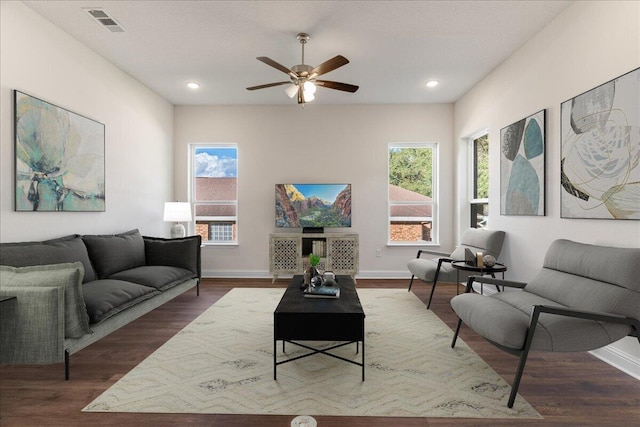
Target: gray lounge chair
[
  {"x": 488, "y": 242},
  {"x": 585, "y": 297}
]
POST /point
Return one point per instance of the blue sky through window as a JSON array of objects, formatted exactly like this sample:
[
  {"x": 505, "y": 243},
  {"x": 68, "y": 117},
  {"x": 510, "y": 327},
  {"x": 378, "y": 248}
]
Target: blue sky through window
[{"x": 216, "y": 162}]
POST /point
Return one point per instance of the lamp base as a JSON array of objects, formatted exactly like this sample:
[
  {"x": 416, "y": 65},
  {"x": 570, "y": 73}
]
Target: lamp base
[{"x": 178, "y": 231}]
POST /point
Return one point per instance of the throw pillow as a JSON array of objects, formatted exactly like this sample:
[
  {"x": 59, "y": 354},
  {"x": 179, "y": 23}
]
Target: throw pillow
[
  {"x": 115, "y": 252},
  {"x": 56, "y": 251},
  {"x": 67, "y": 276},
  {"x": 182, "y": 252}
]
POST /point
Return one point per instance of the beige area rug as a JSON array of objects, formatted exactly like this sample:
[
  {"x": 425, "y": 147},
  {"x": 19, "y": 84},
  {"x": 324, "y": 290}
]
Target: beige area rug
[{"x": 222, "y": 363}]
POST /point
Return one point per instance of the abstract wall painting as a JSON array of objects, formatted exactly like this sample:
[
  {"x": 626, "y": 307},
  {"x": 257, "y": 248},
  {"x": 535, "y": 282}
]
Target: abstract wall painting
[
  {"x": 522, "y": 167},
  {"x": 600, "y": 160},
  {"x": 59, "y": 158}
]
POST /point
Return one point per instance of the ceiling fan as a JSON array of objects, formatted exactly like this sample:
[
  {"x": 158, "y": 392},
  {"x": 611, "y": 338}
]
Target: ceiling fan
[{"x": 303, "y": 78}]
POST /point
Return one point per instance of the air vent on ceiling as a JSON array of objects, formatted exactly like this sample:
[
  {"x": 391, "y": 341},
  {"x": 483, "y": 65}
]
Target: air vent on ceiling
[{"x": 103, "y": 18}]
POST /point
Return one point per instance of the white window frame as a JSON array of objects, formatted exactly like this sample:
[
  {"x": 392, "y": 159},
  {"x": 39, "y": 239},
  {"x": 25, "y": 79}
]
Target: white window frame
[
  {"x": 435, "y": 234},
  {"x": 192, "y": 197},
  {"x": 472, "y": 175}
]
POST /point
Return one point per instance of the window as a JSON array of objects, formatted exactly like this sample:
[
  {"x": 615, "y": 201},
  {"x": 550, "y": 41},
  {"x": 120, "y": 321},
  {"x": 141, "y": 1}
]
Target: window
[
  {"x": 412, "y": 193},
  {"x": 214, "y": 192},
  {"x": 480, "y": 181},
  {"x": 222, "y": 231}
]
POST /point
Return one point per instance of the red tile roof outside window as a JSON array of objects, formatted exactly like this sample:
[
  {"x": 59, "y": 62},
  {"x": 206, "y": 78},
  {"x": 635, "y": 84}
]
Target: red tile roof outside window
[
  {"x": 210, "y": 209},
  {"x": 398, "y": 196},
  {"x": 411, "y": 215},
  {"x": 216, "y": 189}
]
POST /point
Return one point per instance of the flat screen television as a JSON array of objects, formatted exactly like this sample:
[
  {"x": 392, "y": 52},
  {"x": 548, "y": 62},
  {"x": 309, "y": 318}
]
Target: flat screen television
[{"x": 313, "y": 206}]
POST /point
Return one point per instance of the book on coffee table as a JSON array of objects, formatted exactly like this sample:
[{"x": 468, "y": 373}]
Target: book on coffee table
[{"x": 322, "y": 292}]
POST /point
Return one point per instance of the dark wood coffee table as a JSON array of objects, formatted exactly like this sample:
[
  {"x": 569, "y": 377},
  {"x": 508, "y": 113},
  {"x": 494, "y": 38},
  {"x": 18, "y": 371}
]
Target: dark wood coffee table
[{"x": 318, "y": 319}]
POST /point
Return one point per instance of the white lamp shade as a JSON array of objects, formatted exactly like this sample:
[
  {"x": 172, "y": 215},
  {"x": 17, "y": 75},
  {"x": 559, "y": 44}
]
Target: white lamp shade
[
  {"x": 308, "y": 91},
  {"x": 291, "y": 90},
  {"x": 177, "y": 211},
  {"x": 309, "y": 88}
]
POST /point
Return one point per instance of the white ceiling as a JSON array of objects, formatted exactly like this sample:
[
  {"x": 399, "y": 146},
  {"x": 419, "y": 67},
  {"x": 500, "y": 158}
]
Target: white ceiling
[{"x": 394, "y": 46}]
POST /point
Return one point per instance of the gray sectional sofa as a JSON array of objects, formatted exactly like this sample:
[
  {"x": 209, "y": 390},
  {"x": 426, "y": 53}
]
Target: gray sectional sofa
[{"x": 72, "y": 291}]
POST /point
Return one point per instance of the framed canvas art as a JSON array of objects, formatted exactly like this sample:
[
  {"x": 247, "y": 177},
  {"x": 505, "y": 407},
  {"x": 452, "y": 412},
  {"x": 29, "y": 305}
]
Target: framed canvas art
[
  {"x": 59, "y": 158},
  {"x": 600, "y": 160},
  {"x": 522, "y": 166}
]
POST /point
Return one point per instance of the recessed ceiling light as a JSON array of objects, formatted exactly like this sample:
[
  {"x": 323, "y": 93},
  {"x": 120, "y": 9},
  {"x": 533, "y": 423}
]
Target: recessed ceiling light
[
  {"x": 431, "y": 83},
  {"x": 193, "y": 85}
]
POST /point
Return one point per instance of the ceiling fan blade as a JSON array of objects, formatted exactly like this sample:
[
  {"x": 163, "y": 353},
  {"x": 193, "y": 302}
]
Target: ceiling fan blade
[
  {"x": 267, "y": 85},
  {"x": 276, "y": 65},
  {"x": 330, "y": 65},
  {"x": 337, "y": 85}
]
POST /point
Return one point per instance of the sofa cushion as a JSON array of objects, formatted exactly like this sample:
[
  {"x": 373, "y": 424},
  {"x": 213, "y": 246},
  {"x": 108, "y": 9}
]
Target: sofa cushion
[
  {"x": 590, "y": 277},
  {"x": 489, "y": 242},
  {"x": 182, "y": 252},
  {"x": 67, "y": 276},
  {"x": 503, "y": 318},
  {"x": 104, "y": 298},
  {"x": 425, "y": 270},
  {"x": 56, "y": 251},
  {"x": 158, "y": 276},
  {"x": 115, "y": 252}
]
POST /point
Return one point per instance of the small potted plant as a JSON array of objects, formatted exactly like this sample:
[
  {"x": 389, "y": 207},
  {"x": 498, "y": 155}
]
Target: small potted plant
[
  {"x": 312, "y": 271},
  {"x": 314, "y": 260}
]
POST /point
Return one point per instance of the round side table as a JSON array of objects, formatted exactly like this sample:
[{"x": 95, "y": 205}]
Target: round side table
[{"x": 462, "y": 265}]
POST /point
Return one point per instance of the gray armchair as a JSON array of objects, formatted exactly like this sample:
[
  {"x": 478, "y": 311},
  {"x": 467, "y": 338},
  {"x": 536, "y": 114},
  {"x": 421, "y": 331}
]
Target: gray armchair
[
  {"x": 431, "y": 270},
  {"x": 584, "y": 297}
]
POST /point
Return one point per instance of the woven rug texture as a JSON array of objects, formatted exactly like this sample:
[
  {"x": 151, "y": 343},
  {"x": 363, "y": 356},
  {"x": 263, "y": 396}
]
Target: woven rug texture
[{"x": 222, "y": 363}]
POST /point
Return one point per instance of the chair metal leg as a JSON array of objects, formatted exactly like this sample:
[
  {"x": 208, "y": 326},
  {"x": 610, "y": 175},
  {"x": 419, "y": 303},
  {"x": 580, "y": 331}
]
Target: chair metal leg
[
  {"x": 433, "y": 288},
  {"x": 455, "y": 336},
  {"x": 66, "y": 365},
  {"x": 435, "y": 280},
  {"x": 516, "y": 380},
  {"x": 411, "y": 283},
  {"x": 533, "y": 322}
]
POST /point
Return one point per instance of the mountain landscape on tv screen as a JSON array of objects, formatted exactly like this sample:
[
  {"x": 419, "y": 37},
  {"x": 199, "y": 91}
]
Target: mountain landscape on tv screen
[{"x": 295, "y": 210}]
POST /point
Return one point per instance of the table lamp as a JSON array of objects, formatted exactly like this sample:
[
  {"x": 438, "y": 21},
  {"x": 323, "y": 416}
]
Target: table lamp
[{"x": 177, "y": 212}]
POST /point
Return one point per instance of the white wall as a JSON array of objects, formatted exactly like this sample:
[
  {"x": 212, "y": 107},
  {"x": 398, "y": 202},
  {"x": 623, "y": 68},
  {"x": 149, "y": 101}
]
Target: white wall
[
  {"x": 280, "y": 144},
  {"x": 589, "y": 44},
  {"x": 40, "y": 59}
]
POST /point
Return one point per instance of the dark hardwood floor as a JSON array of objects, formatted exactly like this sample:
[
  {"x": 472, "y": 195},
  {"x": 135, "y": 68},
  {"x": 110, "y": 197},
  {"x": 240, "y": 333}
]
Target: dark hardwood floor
[{"x": 574, "y": 389}]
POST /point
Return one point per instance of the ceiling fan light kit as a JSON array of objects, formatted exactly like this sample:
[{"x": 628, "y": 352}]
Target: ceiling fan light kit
[{"x": 303, "y": 78}]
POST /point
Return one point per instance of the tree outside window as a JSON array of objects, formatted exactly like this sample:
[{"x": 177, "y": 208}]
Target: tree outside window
[{"x": 480, "y": 182}]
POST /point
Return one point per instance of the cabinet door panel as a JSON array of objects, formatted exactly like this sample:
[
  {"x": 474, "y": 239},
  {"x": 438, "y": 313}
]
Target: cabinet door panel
[
  {"x": 343, "y": 254},
  {"x": 286, "y": 253}
]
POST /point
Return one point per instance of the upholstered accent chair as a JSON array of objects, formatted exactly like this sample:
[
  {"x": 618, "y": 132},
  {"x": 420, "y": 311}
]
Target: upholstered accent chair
[
  {"x": 489, "y": 242},
  {"x": 584, "y": 297}
]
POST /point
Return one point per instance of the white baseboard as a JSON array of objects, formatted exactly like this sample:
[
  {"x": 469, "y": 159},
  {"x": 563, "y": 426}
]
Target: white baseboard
[
  {"x": 230, "y": 274},
  {"x": 619, "y": 359}
]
